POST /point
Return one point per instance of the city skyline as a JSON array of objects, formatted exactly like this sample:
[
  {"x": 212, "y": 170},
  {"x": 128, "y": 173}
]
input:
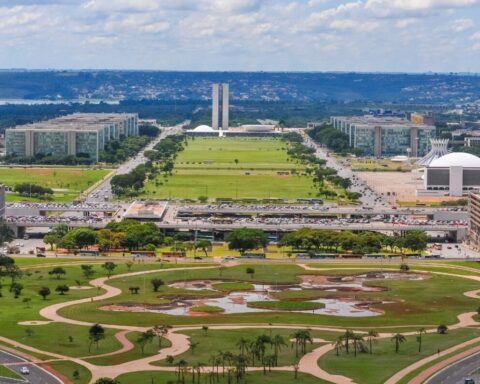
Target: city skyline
[{"x": 248, "y": 35}]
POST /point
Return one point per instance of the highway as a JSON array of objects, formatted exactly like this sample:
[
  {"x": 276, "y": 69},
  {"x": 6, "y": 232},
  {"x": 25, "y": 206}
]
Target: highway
[
  {"x": 37, "y": 374},
  {"x": 457, "y": 372}
]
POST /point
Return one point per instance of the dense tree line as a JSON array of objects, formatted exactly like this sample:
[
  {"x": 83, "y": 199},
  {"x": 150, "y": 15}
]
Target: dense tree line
[
  {"x": 315, "y": 167},
  {"x": 33, "y": 190},
  {"x": 79, "y": 159},
  {"x": 332, "y": 138},
  {"x": 117, "y": 151},
  {"x": 128, "y": 234},
  {"x": 317, "y": 240}
]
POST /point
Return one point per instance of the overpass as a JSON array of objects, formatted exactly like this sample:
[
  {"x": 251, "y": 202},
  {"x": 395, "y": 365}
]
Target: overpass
[{"x": 13, "y": 209}]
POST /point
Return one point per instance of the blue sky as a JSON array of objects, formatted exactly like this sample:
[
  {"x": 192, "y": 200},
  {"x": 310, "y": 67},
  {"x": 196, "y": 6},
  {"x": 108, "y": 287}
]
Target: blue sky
[{"x": 290, "y": 35}]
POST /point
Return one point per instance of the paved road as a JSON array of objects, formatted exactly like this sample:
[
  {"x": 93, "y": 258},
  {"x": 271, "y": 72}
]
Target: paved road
[
  {"x": 369, "y": 197},
  {"x": 104, "y": 191},
  {"x": 37, "y": 375},
  {"x": 456, "y": 373}
]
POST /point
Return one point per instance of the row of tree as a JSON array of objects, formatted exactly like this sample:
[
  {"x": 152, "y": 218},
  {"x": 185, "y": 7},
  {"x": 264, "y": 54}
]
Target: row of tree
[
  {"x": 316, "y": 240},
  {"x": 127, "y": 234}
]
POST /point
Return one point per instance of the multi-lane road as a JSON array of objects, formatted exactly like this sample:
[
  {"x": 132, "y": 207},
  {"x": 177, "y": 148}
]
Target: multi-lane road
[
  {"x": 456, "y": 373},
  {"x": 37, "y": 374}
]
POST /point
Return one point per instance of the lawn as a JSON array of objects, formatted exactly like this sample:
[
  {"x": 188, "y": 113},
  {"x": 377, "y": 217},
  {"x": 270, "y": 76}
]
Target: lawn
[
  {"x": 379, "y": 165},
  {"x": 210, "y": 343},
  {"x": 8, "y": 373},
  {"x": 238, "y": 168},
  {"x": 252, "y": 378},
  {"x": 429, "y": 302},
  {"x": 67, "y": 183},
  {"x": 384, "y": 362}
]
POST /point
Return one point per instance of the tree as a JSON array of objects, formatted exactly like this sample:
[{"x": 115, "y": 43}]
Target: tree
[
  {"x": 87, "y": 270},
  {"x": 338, "y": 345},
  {"x": 404, "y": 267},
  {"x": 347, "y": 336},
  {"x": 6, "y": 233},
  {"x": 357, "y": 343},
  {"x": 421, "y": 332},
  {"x": 44, "y": 292},
  {"x": 250, "y": 271},
  {"x": 51, "y": 239},
  {"x": 17, "y": 289},
  {"x": 106, "y": 380},
  {"x": 204, "y": 245},
  {"x": 372, "y": 334},
  {"x": 57, "y": 272},
  {"x": 277, "y": 342},
  {"x": 205, "y": 330},
  {"x": 398, "y": 339},
  {"x": 95, "y": 334},
  {"x": 144, "y": 338},
  {"x": 156, "y": 284},
  {"x": 82, "y": 237},
  {"x": 134, "y": 289},
  {"x": 442, "y": 329},
  {"x": 244, "y": 239},
  {"x": 62, "y": 289},
  {"x": 161, "y": 331},
  {"x": 109, "y": 267}
]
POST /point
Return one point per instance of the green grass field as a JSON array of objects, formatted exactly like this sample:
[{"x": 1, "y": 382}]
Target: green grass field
[
  {"x": 252, "y": 378},
  {"x": 384, "y": 362},
  {"x": 207, "y": 167},
  {"x": 9, "y": 374},
  {"x": 67, "y": 183}
]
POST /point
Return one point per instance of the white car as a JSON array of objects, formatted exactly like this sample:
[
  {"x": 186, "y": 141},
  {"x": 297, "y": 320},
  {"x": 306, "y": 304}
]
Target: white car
[{"x": 24, "y": 371}]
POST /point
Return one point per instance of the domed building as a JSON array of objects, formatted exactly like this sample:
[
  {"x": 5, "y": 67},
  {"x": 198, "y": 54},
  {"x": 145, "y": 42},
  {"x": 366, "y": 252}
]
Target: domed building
[{"x": 455, "y": 174}]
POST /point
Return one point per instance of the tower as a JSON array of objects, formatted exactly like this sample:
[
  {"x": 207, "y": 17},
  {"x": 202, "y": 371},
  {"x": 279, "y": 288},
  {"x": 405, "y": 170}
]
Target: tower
[{"x": 224, "y": 94}]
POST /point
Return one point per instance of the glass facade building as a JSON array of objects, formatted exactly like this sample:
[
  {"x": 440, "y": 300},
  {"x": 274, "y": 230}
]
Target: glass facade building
[
  {"x": 82, "y": 134},
  {"x": 385, "y": 136}
]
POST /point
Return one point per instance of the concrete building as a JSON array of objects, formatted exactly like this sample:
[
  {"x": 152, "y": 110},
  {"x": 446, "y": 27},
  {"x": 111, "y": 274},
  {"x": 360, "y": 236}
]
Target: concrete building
[
  {"x": 455, "y": 174},
  {"x": 2, "y": 202},
  {"x": 79, "y": 134},
  {"x": 474, "y": 227},
  {"x": 224, "y": 112},
  {"x": 385, "y": 136},
  {"x": 422, "y": 118},
  {"x": 439, "y": 148}
]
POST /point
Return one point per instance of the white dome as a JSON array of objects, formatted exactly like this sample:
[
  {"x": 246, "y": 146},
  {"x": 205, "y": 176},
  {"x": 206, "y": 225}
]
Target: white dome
[
  {"x": 203, "y": 128},
  {"x": 456, "y": 159}
]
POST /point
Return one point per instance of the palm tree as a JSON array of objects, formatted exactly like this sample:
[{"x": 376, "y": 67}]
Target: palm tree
[
  {"x": 278, "y": 342},
  {"x": 242, "y": 345},
  {"x": 399, "y": 339},
  {"x": 372, "y": 334},
  {"x": 357, "y": 340},
  {"x": 346, "y": 337},
  {"x": 338, "y": 345},
  {"x": 161, "y": 331},
  {"x": 301, "y": 338},
  {"x": 421, "y": 331}
]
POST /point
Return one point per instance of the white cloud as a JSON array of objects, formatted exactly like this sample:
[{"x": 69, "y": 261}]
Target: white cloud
[
  {"x": 395, "y": 8},
  {"x": 461, "y": 25}
]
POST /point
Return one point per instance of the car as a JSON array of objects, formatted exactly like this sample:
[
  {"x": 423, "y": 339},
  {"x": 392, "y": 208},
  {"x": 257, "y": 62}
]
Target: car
[
  {"x": 24, "y": 370},
  {"x": 227, "y": 258},
  {"x": 469, "y": 380}
]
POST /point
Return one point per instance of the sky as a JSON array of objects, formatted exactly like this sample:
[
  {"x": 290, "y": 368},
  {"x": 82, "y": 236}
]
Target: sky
[{"x": 242, "y": 35}]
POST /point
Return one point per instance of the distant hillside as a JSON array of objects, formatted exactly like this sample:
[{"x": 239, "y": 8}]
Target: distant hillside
[{"x": 245, "y": 86}]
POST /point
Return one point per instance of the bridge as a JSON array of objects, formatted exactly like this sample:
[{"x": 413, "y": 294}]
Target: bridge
[{"x": 13, "y": 209}]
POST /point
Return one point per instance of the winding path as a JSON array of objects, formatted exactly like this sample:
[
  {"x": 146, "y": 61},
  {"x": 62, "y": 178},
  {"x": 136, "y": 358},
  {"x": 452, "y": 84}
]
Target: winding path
[{"x": 180, "y": 342}]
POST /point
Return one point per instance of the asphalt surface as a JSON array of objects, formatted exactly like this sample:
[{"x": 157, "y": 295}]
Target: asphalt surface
[
  {"x": 456, "y": 373},
  {"x": 37, "y": 375}
]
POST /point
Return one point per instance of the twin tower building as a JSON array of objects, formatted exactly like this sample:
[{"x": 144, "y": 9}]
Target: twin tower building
[{"x": 220, "y": 92}]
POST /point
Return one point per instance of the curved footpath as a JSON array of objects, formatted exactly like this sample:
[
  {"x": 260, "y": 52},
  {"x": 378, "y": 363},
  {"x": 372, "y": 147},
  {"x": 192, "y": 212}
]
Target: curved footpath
[{"x": 180, "y": 343}]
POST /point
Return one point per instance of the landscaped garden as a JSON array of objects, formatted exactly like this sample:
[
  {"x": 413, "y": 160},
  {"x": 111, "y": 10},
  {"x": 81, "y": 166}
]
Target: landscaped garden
[{"x": 254, "y": 322}]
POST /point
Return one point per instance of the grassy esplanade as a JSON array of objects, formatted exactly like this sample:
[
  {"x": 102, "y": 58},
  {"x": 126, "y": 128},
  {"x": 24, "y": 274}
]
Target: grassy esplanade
[
  {"x": 233, "y": 168},
  {"x": 67, "y": 183}
]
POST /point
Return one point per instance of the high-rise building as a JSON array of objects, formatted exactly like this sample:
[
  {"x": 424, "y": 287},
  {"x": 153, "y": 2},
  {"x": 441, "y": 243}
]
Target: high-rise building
[
  {"x": 385, "y": 136},
  {"x": 220, "y": 93},
  {"x": 2, "y": 202},
  {"x": 79, "y": 134}
]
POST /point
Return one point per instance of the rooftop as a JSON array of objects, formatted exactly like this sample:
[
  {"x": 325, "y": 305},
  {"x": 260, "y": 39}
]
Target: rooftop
[
  {"x": 384, "y": 120},
  {"x": 456, "y": 159}
]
